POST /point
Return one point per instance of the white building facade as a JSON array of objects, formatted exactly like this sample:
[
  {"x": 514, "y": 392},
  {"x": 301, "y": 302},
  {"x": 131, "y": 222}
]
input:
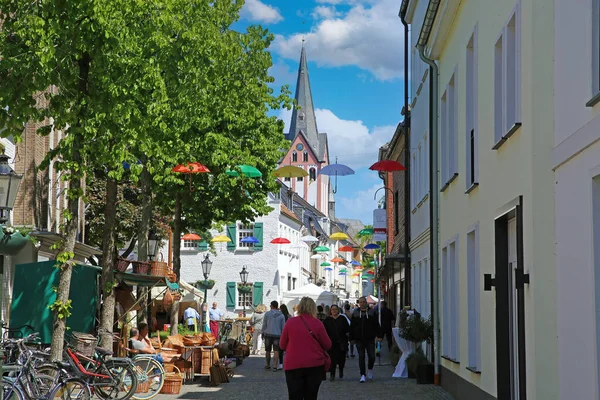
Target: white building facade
[{"x": 576, "y": 161}]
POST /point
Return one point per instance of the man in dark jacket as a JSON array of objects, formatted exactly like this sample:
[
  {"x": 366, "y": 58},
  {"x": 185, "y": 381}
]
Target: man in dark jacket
[
  {"x": 388, "y": 320},
  {"x": 364, "y": 329}
]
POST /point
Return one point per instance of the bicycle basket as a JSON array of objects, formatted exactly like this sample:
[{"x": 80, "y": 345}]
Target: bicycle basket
[{"x": 83, "y": 343}]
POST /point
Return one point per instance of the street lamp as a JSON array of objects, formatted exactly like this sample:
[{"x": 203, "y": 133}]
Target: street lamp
[
  {"x": 206, "y": 265},
  {"x": 153, "y": 241},
  {"x": 356, "y": 294},
  {"x": 309, "y": 279},
  {"x": 244, "y": 279},
  {"x": 331, "y": 288}
]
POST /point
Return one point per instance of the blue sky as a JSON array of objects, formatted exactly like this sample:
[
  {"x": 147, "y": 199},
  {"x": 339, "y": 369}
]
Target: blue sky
[{"x": 354, "y": 51}]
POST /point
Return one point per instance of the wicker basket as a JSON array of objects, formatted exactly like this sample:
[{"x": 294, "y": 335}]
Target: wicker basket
[
  {"x": 173, "y": 382},
  {"x": 84, "y": 343},
  {"x": 122, "y": 264},
  {"x": 141, "y": 267},
  {"x": 143, "y": 387},
  {"x": 159, "y": 268}
]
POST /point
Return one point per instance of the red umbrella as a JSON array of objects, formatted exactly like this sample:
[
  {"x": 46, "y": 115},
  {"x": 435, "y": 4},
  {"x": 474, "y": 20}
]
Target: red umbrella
[
  {"x": 191, "y": 236},
  {"x": 387, "y": 166},
  {"x": 345, "y": 248},
  {"x": 280, "y": 240},
  {"x": 190, "y": 168}
]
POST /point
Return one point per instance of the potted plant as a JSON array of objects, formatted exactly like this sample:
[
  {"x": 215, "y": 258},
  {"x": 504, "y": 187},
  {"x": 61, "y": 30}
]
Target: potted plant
[
  {"x": 12, "y": 240},
  {"x": 418, "y": 330},
  {"x": 205, "y": 284},
  {"x": 244, "y": 288}
]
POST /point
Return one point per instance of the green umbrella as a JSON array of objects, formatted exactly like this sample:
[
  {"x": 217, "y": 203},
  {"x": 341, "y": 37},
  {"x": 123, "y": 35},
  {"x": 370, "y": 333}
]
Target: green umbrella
[
  {"x": 372, "y": 263},
  {"x": 342, "y": 270},
  {"x": 325, "y": 264},
  {"x": 321, "y": 249},
  {"x": 247, "y": 170}
]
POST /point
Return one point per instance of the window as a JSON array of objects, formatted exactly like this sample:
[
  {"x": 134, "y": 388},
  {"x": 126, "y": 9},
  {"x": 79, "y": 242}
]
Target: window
[
  {"x": 472, "y": 169},
  {"x": 289, "y": 282},
  {"x": 190, "y": 244},
  {"x": 312, "y": 174},
  {"x": 301, "y": 116},
  {"x": 450, "y": 286},
  {"x": 293, "y": 283},
  {"x": 396, "y": 219},
  {"x": 294, "y": 157},
  {"x": 305, "y": 156},
  {"x": 300, "y": 179},
  {"x": 245, "y": 230},
  {"x": 240, "y": 298},
  {"x": 286, "y": 179},
  {"x": 448, "y": 132},
  {"x": 507, "y": 80},
  {"x": 473, "y": 288}
]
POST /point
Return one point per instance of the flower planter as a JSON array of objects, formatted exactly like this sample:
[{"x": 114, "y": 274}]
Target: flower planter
[
  {"x": 245, "y": 289},
  {"x": 205, "y": 285},
  {"x": 11, "y": 244}
]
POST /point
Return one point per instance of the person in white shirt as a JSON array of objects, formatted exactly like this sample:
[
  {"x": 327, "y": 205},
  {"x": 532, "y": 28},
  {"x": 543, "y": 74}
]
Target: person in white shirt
[{"x": 190, "y": 315}]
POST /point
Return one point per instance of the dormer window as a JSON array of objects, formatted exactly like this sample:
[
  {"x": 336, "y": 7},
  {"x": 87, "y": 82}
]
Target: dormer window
[
  {"x": 294, "y": 157},
  {"x": 301, "y": 116}
]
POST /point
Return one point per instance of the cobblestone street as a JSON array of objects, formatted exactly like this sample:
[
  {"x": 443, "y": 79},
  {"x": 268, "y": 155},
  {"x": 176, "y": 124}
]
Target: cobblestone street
[{"x": 252, "y": 381}]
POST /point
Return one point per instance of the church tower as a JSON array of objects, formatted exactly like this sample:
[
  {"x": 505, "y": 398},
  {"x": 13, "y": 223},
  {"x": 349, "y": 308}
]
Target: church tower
[{"x": 309, "y": 149}]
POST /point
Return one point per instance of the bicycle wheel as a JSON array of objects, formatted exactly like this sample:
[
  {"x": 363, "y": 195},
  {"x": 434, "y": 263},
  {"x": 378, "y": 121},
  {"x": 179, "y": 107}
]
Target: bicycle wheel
[
  {"x": 71, "y": 389},
  {"x": 151, "y": 377},
  {"x": 40, "y": 385},
  {"x": 11, "y": 390},
  {"x": 122, "y": 383},
  {"x": 48, "y": 369}
]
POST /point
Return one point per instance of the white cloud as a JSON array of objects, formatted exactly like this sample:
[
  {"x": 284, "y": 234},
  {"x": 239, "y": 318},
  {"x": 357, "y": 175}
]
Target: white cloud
[
  {"x": 359, "y": 206},
  {"x": 325, "y": 12},
  {"x": 283, "y": 74},
  {"x": 351, "y": 141},
  {"x": 257, "y": 11},
  {"x": 369, "y": 36}
]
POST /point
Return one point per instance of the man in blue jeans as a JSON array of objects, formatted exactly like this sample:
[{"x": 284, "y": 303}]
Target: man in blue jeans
[
  {"x": 273, "y": 323},
  {"x": 364, "y": 330},
  {"x": 141, "y": 342}
]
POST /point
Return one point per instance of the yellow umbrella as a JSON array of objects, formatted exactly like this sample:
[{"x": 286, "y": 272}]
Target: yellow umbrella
[
  {"x": 338, "y": 236},
  {"x": 220, "y": 239},
  {"x": 289, "y": 171}
]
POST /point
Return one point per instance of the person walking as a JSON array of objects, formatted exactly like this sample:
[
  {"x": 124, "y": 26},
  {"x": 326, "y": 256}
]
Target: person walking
[
  {"x": 337, "y": 328},
  {"x": 351, "y": 346},
  {"x": 256, "y": 322},
  {"x": 364, "y": 329},
  {"x": 284, "y": 310},
  {"x": 191, "y": 317},
  {"x": 321, "y": 316},
  {"x": 215, "y": 315},
  {"x": 388, "y": 320},
  {"x": 306, "y": 343},
  {"x": 273, "y": 324}
]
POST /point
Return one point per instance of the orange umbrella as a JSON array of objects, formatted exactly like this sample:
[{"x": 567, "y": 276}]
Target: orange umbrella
[
  {"x": 345, "y": 249},
  {"x": 190, "y": 168},
  {"x": 337, "y": 259},
  {"x": 191, "y": 236}
]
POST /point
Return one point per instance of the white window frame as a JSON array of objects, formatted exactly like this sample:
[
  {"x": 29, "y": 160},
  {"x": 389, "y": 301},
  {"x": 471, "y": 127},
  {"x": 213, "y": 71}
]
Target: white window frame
[
  {"x": 239, "y": 305},
  {"x": 242, "y": 231},
  {"x": 507, "y": 79},
  {"x": 471, "y": 85},
  {"x": 473, "y": 299},
  {"x": 189, "y": 245},
  {"x": 451, "y": 301},
  {"x": 449, "y": 129}
]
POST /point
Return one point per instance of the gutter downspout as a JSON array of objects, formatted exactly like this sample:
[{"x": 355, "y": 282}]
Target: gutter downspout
[
  {"x": 407, "y": 264},
  {"x": 432, "y": 9}
]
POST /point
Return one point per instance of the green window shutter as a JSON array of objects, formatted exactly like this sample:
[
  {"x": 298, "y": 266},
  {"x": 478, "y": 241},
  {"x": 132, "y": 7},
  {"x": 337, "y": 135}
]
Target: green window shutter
[
  {"x": 258, "y": 293},
  {"x": 232, "y": 234},
  {"x": 230, "y": 295},
  {"x": 203, "y": 245},
  {"x": 258, "y": 234}
]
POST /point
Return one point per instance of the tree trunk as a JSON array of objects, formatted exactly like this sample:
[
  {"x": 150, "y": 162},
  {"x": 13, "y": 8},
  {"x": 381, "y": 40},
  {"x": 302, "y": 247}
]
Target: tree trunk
[
  {"x": 66, "y": 270},
  {"x": 176, "y": 260},
  {"x": 107, "y": 314},
  {"x": 143, "y": 231}
]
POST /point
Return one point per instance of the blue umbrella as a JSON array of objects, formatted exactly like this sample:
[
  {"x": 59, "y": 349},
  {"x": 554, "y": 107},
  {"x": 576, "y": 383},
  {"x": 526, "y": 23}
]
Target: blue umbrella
[
  {"x": 354, "y": 262},
  {"x": 249, "y": 239},
  {"x": 328, "y": 269},
  {"x": 336, "y": 170},
  {"x": 372, "y": 246}
]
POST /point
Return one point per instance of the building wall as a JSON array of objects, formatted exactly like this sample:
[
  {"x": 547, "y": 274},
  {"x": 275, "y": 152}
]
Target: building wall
[
  {"x": 521, "y": 166},
  {"x": 576, "y": 157}
]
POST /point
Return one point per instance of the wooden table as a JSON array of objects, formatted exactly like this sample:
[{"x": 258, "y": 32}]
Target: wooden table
[{"x": 188, "y": 351}]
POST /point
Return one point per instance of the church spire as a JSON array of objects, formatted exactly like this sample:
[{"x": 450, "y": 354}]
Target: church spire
[{"x": 303, "y": 116}]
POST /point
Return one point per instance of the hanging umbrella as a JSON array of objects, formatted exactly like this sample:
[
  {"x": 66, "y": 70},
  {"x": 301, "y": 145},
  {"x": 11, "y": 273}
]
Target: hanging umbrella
[
  {"x": 343, "y": 270},
  {"x": 191, "y": 236},
  {"x": 325, "y": 264},
  {"x": 366, "y": 231},
  {"x": 220, "y": 239},
  {"x": 290, "y": 171},
  {"x": 246, "y": 170},
  {"x": 336, "y": 170},
  {"x": 372, "y": 263},
  {"x": 345, "y": 249},
  {"x": 190, "y": 168},
  {"x": 337, "y": 260},
  {"x": 370, "y": 273},
  {"x": 316, "y": 256},
  {"x": 354, "y": 262},
  {"x": 321, "y": 248},
  {"x": 280, "y": 240},
  {"x": 250, "y": 239},
  {"x": 338, "y": 236},
  {"x": 387, "y": 166},
  {"x": 372, "y": 246},
  {"x": 328, "y": 269},
  {"x": 309, "y": 238}
]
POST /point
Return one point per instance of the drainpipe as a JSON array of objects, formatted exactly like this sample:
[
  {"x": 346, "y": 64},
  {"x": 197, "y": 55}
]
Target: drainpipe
[
  {"x": 407, "y": 265},
  {"x": 432, "y": 9}
]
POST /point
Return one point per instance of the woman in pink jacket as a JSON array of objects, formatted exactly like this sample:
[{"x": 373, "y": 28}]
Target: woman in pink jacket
[{"x": 305, "y": 342}]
